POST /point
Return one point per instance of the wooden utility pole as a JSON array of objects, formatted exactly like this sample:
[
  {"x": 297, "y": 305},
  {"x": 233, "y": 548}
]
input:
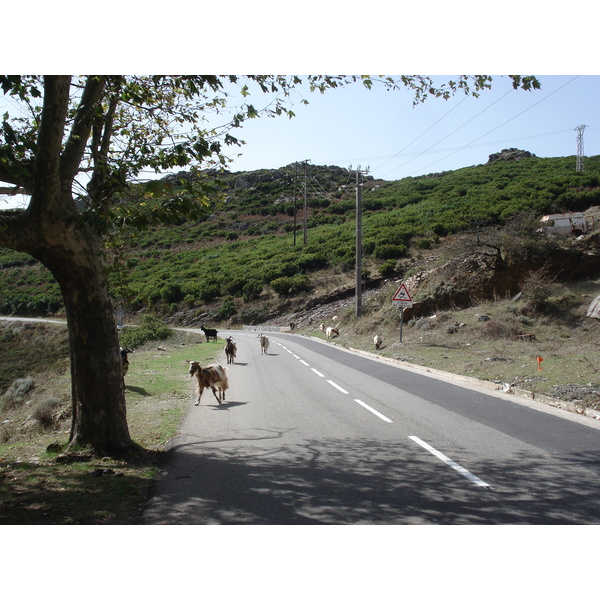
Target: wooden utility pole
[
  {"x": 305, "y": 202},
  {"x": 295, "y": 201},
  {"x": 358, "y": 279}
]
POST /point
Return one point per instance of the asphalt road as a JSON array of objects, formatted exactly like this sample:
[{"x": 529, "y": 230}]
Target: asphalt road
[{"x": 313, "y": 434}]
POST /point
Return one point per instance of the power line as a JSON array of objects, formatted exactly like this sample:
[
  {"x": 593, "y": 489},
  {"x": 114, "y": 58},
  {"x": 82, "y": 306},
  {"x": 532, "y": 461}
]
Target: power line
[
  {"x": 420, "y": 136},
  {"x": 451, "y": 133},
  {"x": 498, "y": 127}
]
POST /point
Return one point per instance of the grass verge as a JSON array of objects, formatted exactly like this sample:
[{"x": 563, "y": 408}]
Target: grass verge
[{"x": 41, "y": 484}]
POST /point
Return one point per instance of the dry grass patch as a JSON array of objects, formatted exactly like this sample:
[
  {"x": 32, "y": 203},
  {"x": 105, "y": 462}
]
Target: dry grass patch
[{"x": 40, "y": 483}]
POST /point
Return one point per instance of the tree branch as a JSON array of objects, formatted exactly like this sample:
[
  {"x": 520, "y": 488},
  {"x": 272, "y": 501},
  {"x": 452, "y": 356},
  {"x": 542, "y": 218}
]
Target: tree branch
[
  {"x": 47, "y": 181},
  {"x": 80, "y": 132},
  {"x": 12, "y": 191}
]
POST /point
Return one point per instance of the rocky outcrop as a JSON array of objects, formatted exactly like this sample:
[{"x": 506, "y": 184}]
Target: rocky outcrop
[{"x": 510, "y": 154}]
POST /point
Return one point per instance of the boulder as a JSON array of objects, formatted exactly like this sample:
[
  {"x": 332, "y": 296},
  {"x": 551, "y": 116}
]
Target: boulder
[{"x": 594, "y": 308}]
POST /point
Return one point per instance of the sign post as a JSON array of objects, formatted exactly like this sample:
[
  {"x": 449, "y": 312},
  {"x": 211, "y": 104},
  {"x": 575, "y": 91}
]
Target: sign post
[{"x": 402, "y": 299}]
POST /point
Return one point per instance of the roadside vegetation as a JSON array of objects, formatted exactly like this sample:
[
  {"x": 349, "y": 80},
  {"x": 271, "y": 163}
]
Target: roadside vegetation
[
  {"x": 41, "y": 483},
  {"x": 495, "y": 341}
]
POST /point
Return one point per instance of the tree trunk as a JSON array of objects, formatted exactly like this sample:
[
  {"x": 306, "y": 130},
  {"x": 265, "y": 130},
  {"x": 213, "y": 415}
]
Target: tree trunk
[
  {"x": 98, "y": 391},
  {"x": 52, "y": 230}
]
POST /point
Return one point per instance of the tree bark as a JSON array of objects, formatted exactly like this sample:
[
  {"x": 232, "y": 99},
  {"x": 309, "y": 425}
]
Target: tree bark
[
  {"x": 98, "y": 393},
  {"x": 52, "y": 231}
]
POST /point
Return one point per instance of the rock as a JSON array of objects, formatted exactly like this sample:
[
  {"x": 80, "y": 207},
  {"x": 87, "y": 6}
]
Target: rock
[
  {"x": 510, "y": 154},
  {"x": 594, "y": 309}
]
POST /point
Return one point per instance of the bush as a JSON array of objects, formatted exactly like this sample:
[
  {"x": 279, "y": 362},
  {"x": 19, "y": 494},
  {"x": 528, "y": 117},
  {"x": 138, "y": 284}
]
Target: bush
[
  {"x": 424, "y": 244},
  {"x": 252, "y": 290},
  {"x": 15, "y": 394},
  {"x": 149, "y": 329},
  {"x": 386, "y": 251},
  {"x": 497, "y": 331},
  {"x": 171, "y": 293},
  {"x": 388, "y": 268},
  {"x": 227, "y": 310},
  {"x": 235, "y": 286},
  {"x": 286, "y": 286},
  {"x": 44, "y": 412},
  {"x": 537, "y": 289}
]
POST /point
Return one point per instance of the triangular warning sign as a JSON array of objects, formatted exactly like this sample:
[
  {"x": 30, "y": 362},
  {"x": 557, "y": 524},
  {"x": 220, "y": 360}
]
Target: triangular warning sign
[{"x": 401, "y": 295}]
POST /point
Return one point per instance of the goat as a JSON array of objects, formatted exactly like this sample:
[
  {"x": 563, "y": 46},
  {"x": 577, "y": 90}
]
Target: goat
[
  {"x": 264, "y": 343},
  {"x": 330, "y": 332},
  {"x": 210, "y": 333},
  {"x": 213, "y": 377},
  {"x": 124, "y": 360},
  {"x": 230, "y": 350},
  {"x": 377, "y": 340}
]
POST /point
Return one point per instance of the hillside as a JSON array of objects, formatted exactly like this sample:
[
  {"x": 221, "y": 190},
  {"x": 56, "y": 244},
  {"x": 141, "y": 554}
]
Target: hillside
[
  {"x": 243, "y": 259},
  {"x": 464, "y": 242}
]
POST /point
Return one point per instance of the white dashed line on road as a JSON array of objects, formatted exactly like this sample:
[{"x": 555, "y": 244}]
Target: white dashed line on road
[
  {"x": 478, "y": 482},
  {"x": 365, "y": 405},
  {"x": 336, "y": 386}
]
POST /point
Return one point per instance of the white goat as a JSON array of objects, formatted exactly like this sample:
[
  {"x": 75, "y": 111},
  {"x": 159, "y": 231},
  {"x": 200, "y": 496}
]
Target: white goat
[
  {"x": 377, "y": 340},
  {"x": 330, "y": 332},
  {"x": 264, "y": 343}
]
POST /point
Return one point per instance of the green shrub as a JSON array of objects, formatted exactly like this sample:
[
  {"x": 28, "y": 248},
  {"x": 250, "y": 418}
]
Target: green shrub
[
  {"x": 171, "y": 292},
  {"x": 251, "y": 290},
  {"x": 384, "y": 251},
  {"x": 209, "y": 291},
  {"x": 388, "y": 268},
  {"x": 286, "y": 286},
  {"x": 227, "y": 310},
  {"x": 234, "y": 286},
  {"x": 150, "y": 329}
]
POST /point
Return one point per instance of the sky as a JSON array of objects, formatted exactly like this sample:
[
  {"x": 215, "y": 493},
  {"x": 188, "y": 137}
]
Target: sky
[
  {"x": 383, "y": 131},
  {"x": 353, "y": 126}
]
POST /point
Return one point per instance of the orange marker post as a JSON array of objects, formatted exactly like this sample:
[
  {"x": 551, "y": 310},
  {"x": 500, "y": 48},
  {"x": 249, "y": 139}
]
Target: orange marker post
[{"x": 539, "y": 361}]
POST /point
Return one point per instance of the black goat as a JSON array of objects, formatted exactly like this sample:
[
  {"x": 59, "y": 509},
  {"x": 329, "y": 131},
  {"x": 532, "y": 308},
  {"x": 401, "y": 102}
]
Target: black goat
[
  {"x": 124, "y": 360},
  {"x": 210, "y": 333}
]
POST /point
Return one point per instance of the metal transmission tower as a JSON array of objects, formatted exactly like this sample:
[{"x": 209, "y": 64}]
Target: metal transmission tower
[{"x": 579, "y": 131}]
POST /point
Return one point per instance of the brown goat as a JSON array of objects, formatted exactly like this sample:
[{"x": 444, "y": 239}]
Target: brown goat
[
  {"x": 213, "y": 377},
  {"x": 230, "y": 350}
]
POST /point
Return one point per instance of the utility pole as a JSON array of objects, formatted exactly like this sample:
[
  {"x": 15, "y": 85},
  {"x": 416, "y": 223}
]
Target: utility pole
[
  {"x": 305, "y": 201},
  {"x": 295, "y": 201},
  {"x": 358, "y": 274},
  {"x": 579, "y": 131}
]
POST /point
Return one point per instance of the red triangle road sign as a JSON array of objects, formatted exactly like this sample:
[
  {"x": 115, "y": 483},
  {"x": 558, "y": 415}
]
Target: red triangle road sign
[{"x": 402, "y": 295}]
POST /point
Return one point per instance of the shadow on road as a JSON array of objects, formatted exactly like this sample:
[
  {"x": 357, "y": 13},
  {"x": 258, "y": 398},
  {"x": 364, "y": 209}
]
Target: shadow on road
[{"x": 354, "y": 481}]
